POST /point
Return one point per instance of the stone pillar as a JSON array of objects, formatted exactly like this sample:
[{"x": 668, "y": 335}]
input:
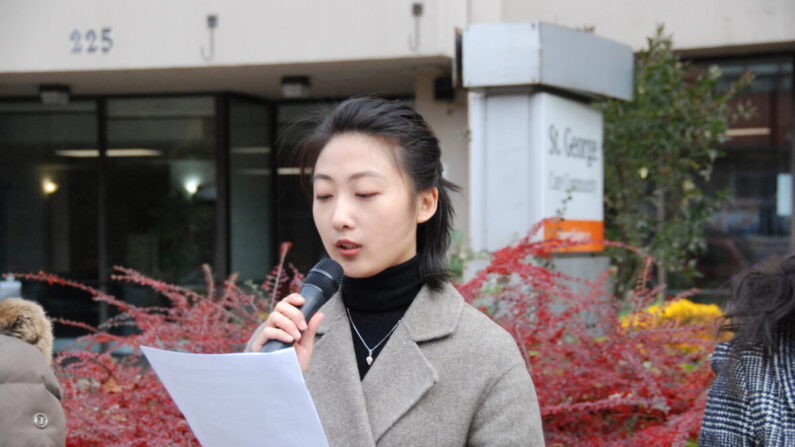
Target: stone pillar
[{"x": 536, "y": 140}]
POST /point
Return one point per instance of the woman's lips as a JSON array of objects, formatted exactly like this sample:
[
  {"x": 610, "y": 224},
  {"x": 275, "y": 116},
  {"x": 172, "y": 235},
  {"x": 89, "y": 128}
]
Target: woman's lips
[{"x": 348, "y": 248}]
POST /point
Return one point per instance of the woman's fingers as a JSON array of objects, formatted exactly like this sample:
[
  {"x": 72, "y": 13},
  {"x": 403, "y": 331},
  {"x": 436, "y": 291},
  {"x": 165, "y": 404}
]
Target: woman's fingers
[
  {"x": 289, "y": 308},
  {"x": 265, "y": 334},
  {"x": 272, "y": 333},
  {"x": 280, "y": 321},
  {"x": 285, "y": 323},
  {"x": 294, "y": 298}
]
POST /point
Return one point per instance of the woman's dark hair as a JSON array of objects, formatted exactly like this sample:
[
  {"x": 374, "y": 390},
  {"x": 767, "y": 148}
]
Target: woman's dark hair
[
  {"x": 418, "y": 155},
  {"x": 762, "y": 305}
]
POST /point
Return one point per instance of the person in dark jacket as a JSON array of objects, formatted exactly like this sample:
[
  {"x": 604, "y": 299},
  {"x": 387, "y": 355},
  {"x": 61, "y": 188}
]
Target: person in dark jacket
[
  {"x": 752, "y": 400},
  {"x": 30, "y": 409}
]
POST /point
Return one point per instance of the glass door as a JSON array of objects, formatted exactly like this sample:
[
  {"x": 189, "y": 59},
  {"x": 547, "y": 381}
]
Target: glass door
[
  {"x": 162, "y": 188},
  {"x": 251, "y": 189},
  {"x": 49, "y": 202}
]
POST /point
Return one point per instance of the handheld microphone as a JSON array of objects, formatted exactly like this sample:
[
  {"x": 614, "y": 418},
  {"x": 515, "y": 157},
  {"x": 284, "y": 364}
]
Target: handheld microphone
[{"x": 321, "y": 282}]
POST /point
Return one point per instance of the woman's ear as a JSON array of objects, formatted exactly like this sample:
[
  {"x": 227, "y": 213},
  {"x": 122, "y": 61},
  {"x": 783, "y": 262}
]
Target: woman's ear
[{"x": 427, "y": 202}]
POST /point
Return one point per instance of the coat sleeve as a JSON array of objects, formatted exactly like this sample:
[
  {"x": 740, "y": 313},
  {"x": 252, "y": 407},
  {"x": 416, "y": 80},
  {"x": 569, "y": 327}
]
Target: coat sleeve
[
  {"x": 728, "y": 419},
  {"x": 509, "y": 414}
]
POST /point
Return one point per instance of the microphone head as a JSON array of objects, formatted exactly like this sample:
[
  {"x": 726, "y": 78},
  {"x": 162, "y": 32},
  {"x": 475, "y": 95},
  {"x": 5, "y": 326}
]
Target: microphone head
[{"x": 326, "y": 275}]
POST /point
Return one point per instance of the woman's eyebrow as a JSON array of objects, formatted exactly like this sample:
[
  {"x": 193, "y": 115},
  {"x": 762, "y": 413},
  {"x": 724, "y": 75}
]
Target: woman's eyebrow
[
  {"x": 318, "y": 176},
  {"x": 356, "y": 176},
  {"x": 367, "y": 173}
]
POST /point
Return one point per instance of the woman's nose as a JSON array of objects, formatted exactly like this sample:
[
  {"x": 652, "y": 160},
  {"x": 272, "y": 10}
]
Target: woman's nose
[{"x": 342, "y": 218}]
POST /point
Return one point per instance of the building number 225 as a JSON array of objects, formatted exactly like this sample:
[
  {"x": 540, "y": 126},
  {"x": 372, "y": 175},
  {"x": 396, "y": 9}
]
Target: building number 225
[{"x": 91, "y": 41}]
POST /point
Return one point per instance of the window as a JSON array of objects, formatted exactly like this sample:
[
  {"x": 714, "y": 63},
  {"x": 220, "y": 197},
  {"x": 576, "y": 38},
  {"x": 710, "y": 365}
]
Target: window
[
  {"x": 158, "y": 184},
  {"x": 757, "y": 172}
]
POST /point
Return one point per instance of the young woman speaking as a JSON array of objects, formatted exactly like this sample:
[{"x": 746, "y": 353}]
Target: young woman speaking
[{"x": 397, "y": 358}]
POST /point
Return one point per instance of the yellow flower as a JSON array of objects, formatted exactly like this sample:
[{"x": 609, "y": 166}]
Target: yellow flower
[
  {"x": 684, "y": 311},
  {"x": 681, "y": 311}
]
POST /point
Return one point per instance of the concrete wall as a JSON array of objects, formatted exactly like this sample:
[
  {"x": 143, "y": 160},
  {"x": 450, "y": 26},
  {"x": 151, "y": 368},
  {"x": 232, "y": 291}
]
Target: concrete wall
[
  {"x": 694, "y": 24},
  {"x": 37, "y": 34}
]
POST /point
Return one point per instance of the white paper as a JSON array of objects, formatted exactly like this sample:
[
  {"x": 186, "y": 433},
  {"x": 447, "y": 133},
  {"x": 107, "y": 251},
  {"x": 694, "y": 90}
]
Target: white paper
[{"x": 246, "y": 399}]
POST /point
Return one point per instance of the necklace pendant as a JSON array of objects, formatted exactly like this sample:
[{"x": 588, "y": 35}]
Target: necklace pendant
[{"x": 369, "y": 360}]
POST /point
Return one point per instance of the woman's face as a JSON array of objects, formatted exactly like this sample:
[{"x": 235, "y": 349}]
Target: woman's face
[{"x": 363, "y": 205}]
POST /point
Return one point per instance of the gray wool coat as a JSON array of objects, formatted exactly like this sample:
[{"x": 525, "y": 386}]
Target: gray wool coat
[{"x": 448, "y": 376}]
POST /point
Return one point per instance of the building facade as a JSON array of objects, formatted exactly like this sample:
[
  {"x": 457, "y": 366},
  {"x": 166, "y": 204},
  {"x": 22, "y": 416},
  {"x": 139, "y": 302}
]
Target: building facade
[{"x": 151, "y": 134}]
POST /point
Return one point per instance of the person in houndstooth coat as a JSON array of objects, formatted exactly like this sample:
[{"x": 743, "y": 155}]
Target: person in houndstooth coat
[{"x": 752, "y": 400}]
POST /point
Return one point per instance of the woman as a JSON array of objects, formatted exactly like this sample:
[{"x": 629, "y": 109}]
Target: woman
[
  {"x": 752, "y": 400},
  {"x": 30, "y": 407},
  {"x": 397, "y": 358}
]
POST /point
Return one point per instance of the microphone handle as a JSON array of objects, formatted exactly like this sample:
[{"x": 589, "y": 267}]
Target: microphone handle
[{"x": 313, "y": 300}]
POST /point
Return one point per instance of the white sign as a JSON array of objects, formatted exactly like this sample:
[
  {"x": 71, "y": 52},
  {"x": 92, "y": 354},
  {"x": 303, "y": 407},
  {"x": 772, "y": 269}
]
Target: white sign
[
  {"x": 567, "y": 162},
  {"x": 567, "y": 168},
  {"x": 534, "y": 156}
]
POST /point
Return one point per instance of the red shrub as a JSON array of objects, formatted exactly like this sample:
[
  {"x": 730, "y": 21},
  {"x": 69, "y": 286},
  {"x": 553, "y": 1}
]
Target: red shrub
[
  {"x": 113, "y": 400},
  {"x": 598, "y": 383}
]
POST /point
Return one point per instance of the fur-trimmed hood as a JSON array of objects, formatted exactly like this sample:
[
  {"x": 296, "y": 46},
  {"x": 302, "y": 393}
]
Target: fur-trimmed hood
[{"x": 26, "y": 321}]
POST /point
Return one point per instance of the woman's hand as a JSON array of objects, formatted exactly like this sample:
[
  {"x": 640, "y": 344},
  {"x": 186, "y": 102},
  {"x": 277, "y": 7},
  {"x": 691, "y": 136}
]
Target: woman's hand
[{"x": 286, "y": 323}]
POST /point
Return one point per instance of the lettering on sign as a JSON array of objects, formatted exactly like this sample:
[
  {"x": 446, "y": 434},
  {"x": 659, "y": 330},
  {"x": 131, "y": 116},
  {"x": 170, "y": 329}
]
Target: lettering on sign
[
  {"x": 565, "y": 183},
  {"x": 91, "y": 41},
  {"x": 573, "y": 146}
]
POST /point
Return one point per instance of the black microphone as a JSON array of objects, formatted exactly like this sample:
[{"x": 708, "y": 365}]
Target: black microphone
[{"x": 321, "y": 283}]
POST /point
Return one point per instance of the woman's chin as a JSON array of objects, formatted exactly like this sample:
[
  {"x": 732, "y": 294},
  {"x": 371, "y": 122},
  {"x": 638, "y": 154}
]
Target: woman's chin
[
  {"x": 352, "y": 272},
  {"x": 355, "y": 268}
]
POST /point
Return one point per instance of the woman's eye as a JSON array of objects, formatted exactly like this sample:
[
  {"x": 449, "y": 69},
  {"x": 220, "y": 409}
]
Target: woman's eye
[
  {"x": 322, "y": 196},
  {"x": 366, "y": 195}
]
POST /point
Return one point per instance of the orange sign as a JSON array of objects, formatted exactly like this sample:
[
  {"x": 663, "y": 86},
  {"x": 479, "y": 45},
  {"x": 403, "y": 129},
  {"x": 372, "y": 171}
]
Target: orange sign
[{"x": 590, "y": 232}]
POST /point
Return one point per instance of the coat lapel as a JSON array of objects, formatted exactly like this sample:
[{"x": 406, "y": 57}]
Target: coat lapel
[
  {"x": 336, "y": 388},
  {"x": 358, "y": 413},
  {"x": 402, "y": 375},
  {"x": 399, "y": 378}
]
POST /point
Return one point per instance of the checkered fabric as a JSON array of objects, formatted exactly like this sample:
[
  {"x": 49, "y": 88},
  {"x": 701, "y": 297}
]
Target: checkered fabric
[{"x": 751, "y": 402}]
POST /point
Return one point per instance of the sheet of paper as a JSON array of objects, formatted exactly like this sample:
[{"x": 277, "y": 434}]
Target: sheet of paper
[{"x": 246, "y": 399}]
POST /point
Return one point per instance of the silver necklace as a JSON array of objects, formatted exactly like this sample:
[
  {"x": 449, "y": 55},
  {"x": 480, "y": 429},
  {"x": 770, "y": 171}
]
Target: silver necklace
[{"x": 369, "y": 350}]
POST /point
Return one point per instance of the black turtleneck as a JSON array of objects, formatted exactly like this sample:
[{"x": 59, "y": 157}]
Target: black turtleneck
[{"x": 377, "y": 303}]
